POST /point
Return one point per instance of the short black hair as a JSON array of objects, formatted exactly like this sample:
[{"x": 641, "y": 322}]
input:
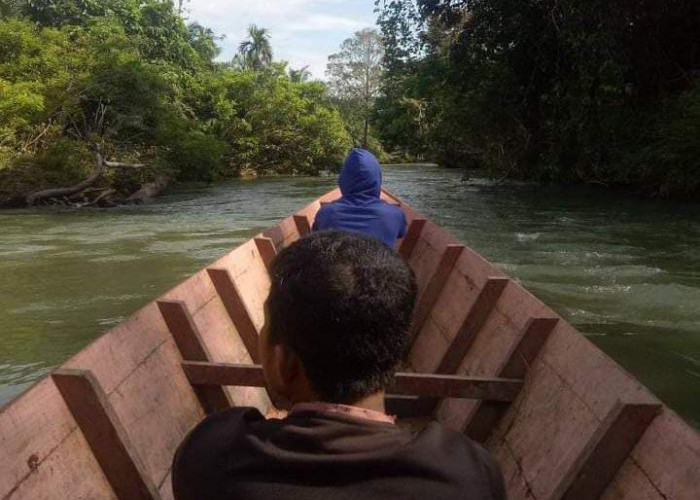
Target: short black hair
[{"x": 343, "y": 302}]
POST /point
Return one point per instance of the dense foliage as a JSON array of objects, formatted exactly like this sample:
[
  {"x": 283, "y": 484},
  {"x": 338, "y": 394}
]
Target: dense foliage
[
  {"x": 133, "y": 78},
  {"x": 578, "y": 91}
]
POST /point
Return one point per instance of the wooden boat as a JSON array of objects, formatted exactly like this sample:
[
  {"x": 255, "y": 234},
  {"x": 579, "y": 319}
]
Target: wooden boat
[{"x": 561, "y": 418}]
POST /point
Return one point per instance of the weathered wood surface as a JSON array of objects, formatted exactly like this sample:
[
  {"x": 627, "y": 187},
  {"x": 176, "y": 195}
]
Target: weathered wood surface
[
  {"x": 409, "y": 242},
  {"x": 473, "y": 323},
  {"x": 302, "y": 223},
  {"x": 192, "y": 347},
  {"x": 482, "y": 420},
  {"x": 415, "y": 384},
  {"x": 235, "y": 305},
  {"x": 580, "y": 372},
  {"x": 569, "y": 389},
  {"x": 429, "y": 296},
  {"x": 105, "y": 435},
  {"x": 266, "y": 248},
  {"x": 609, "y": 446}
]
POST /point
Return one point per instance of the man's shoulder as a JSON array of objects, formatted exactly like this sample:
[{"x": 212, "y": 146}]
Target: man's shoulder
[
  {"x": 393, "y": 213},
  {"x": 197, "y": 462},
  {"x": 219, "y": 429},
  {"x": 466, "y": 461}
]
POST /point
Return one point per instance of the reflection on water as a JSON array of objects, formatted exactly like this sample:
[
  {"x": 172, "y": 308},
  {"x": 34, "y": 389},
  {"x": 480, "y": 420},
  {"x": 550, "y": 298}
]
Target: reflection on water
[{"x": 626, "y": 272}]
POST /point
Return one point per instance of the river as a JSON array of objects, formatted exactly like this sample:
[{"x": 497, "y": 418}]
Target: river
[{"x": 625, "y": 271}]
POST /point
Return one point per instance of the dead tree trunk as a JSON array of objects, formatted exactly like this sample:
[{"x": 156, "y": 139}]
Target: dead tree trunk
[
  {"x": 100, "y": 165},
  {"x": 68, "y": 191}
]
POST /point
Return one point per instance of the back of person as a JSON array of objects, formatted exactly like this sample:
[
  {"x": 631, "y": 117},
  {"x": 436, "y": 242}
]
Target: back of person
[
  {"x": 313, "y": 454},
  {"x": 337, "y": 325},
  {"x": 360, "y": 209}
]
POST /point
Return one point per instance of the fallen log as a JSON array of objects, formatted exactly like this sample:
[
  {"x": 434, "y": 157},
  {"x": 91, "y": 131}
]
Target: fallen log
[
  {"x": 82, "y": 187},
  {"x": 33, "y": 198}
]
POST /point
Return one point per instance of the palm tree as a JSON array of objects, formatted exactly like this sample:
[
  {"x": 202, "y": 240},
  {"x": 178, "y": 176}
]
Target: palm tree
[
  {"x": 256, "y": 51},
  {"x": 300, "y": 75}
]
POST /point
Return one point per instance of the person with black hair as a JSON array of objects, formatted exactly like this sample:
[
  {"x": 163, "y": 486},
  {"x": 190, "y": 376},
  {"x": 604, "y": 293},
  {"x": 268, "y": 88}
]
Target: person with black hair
[{"x": 337, "y": 327}]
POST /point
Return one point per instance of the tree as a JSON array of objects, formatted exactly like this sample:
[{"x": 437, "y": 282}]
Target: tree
[
  {"x": 203, "y": 40},
  {"x": 127, "y": 80},
  {"x": 300, "y": 75},
  {"x": 256, "y": 52},
  {"x": 355, "y": 74}
]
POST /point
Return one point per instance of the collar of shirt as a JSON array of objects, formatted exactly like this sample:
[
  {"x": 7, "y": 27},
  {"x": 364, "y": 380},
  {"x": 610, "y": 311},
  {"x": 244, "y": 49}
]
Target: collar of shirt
[{"x": 345, "y": 410}]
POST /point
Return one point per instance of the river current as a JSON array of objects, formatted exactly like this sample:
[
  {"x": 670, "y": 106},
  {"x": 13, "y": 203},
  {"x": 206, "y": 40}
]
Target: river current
[{"x": 624, "y": 271}]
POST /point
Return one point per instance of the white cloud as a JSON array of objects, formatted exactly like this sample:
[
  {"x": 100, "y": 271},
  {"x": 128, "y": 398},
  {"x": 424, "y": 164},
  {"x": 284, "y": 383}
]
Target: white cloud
[
  {"x": 303, "y": 32},
  {"x": 324, "y": 22}
]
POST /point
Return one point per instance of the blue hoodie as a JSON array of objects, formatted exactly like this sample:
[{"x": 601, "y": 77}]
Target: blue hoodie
[{"x": 360, "y": 210}]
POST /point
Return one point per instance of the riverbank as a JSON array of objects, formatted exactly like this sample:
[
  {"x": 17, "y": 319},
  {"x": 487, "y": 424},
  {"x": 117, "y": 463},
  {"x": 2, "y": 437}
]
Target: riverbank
[{"x": 625, "y": 272}]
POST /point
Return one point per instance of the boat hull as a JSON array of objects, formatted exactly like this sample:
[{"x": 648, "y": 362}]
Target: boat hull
[{"x": 579, "y": 415}]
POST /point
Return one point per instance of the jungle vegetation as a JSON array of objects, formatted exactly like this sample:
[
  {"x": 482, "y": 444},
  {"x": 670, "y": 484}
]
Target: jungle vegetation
[
  {"x": 587, "y": 91},
  {"x": 115, "y": 99},
  {"x": 126, "y": 91}
]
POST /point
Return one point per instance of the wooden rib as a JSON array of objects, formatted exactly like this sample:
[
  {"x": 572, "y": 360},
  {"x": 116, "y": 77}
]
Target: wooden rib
[
  {"x": 224, "y": 374},
  {"x": 598, "y": 462},
  {"x": 192, "y": 348},
  {"x": 434, "y": 287},
  {"x": 302, "y": 224},
  {"x": 454, "y": 386},
  {"x": 411, "y": 239},
  {"x": 267, "y": 250},
  {"x": 521, "y": 356},
  {"x": 237, "y": 310},
  {"x": 473, "y": 323},
  {"x": 414, "y": 384},
  {"x": 104, "y": 434}
]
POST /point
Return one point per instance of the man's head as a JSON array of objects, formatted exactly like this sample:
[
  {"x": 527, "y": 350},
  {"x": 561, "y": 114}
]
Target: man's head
[{"x": 337, "y": 318}]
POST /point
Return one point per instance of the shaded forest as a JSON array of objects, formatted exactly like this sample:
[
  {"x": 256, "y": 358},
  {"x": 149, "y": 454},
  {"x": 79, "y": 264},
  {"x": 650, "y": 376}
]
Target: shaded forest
[{"x": 586, "y": 91}]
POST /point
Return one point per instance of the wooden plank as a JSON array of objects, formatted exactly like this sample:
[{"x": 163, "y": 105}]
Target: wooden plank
[
  {"x": 224, "y": 374},
  {"x": 597, "y": 464},
  {"x": 191, "y": 345},
  {"x": 472, "y": 325},
  {"x": 302, "y": 224},
  {"x": 411, "y": 239},
  {"x": 267, "y": 250},
  {"x": 104, "y": 434},
  {"x": 413, "y": 384},
  {"x": 521, "y": 356},
  {"x": 237, "y": 310},
  {"x": 434, "y": 287}
]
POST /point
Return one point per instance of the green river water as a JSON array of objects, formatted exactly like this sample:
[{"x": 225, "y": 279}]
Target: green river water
[{"x": 626, "y": 272}]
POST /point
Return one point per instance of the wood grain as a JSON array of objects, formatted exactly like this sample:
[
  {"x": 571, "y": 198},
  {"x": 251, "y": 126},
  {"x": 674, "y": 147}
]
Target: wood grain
[
  {"x": 237, "y": 310},
  {"x": 192, "y": 348},
  {"x": 104, "y": 434}
]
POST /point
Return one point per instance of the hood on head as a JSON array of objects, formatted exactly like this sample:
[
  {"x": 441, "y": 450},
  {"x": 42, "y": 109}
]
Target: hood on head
[{"x": 361, "y": 175}]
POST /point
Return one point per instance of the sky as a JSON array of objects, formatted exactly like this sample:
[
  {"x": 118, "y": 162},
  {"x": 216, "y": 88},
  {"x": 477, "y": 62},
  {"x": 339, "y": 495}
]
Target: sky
[{"x": 303, "y": 32}]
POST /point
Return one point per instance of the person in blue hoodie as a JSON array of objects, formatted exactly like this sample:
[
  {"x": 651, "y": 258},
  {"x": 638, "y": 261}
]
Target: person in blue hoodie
[{"x": 360, "y": 209}]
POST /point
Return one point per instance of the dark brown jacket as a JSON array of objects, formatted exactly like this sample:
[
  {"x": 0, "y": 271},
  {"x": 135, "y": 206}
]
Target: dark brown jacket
[{"x": 237, "y": 454}]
